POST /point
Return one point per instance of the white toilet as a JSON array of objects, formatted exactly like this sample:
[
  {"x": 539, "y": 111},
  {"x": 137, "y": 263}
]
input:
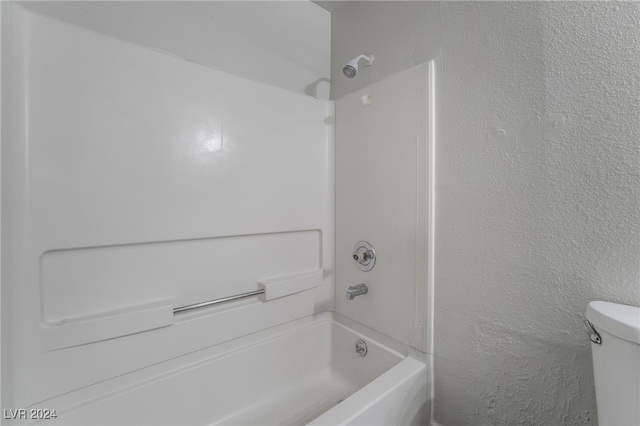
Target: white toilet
[{"x": 615, "y": 335}]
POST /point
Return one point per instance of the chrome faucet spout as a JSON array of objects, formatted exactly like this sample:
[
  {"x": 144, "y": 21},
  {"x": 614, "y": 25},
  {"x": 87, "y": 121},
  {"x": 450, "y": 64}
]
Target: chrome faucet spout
[{"x": 356, "y": 290}]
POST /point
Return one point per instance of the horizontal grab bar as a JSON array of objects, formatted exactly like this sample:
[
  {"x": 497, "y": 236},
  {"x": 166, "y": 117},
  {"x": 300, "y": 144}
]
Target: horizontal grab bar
[
  {"x": 270, "y": 289},
  {"x": 217, "y": 301}
]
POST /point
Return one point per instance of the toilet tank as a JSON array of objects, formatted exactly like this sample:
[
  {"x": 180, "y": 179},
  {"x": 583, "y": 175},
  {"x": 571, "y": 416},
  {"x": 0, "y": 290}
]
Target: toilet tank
[{"x": 616, "y": 362}]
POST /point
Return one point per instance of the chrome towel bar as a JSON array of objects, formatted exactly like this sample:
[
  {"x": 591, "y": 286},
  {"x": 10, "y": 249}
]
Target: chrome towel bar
[{"x": 217, "y": 301}]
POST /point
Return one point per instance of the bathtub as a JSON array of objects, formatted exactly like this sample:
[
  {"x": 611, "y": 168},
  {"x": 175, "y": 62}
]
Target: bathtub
[{"x": 303, "y": 372}]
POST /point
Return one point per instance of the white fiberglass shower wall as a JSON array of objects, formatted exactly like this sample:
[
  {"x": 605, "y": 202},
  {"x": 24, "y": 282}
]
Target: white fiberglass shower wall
[{"x": 135, "y": 182}]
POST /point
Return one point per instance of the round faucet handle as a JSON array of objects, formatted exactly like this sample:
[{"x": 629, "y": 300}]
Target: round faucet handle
[{"x": 362, "y": 256}]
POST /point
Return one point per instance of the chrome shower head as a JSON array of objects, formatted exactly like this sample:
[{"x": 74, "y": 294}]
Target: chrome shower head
[{"x": 351, "y": 68}]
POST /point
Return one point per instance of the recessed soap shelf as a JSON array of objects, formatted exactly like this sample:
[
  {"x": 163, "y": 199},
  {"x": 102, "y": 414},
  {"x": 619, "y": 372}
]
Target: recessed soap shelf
[{"x": 160, "y": 313}]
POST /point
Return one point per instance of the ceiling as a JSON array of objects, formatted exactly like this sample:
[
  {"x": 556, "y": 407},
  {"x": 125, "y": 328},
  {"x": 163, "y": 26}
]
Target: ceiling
[{"x": 330, "y": 5}]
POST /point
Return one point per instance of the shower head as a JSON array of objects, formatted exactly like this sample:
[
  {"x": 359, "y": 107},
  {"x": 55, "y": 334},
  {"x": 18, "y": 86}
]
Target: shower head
[{"x": 351, "y": 68}]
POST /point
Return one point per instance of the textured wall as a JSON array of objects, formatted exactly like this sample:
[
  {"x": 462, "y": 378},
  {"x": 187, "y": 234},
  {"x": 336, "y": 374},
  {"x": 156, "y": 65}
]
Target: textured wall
[{"x": 538, "y": 192}]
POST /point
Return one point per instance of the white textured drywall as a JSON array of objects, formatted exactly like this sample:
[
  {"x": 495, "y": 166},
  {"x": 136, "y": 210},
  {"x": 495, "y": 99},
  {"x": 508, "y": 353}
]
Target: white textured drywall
[
  {"x": 538, "y": 190},
  {"x": 280, "y": 43},
  {"x": 3, "y": 324},
  {"x": 131, "y": 176}
]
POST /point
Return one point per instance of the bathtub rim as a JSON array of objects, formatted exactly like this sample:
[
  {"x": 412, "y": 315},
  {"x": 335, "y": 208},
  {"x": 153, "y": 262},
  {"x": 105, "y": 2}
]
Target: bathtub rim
[{"x": 395, "y": 385}]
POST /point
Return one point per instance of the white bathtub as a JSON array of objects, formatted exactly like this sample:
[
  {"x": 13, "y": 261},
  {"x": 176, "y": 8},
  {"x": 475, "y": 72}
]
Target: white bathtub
[{"x": 303, "y": 372}]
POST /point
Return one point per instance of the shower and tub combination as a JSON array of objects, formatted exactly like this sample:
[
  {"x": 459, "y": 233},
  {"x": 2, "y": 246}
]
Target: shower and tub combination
[{"x": 182, "y": 243}]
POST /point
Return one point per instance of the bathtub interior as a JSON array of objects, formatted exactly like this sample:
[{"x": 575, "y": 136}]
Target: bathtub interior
[{"x": 289, "y": 374}]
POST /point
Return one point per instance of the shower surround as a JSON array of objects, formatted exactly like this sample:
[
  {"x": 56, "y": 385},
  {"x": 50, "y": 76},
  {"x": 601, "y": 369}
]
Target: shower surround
[{"x": 136, "y": 183}]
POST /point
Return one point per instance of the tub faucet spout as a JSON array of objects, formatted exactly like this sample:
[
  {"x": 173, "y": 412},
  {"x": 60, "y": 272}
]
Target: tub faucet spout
[{"x": 356, "y": 290}]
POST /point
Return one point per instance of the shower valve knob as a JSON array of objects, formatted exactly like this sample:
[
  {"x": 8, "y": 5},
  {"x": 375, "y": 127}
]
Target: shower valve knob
[{"x": 364, "y": 255}]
